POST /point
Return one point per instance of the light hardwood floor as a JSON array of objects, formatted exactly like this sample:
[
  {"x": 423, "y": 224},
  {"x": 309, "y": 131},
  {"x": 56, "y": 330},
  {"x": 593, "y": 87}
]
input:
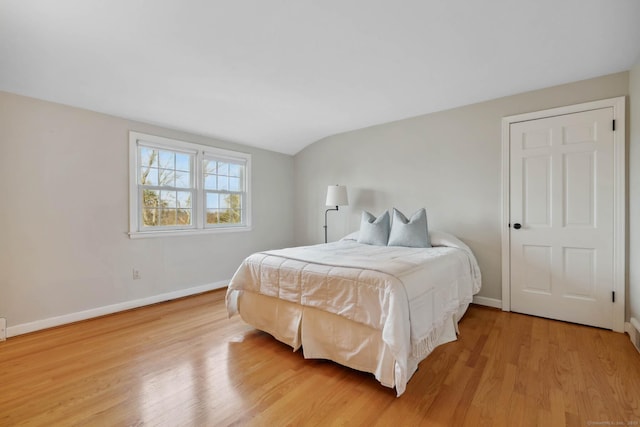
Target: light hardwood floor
[{"x": 184, "y": 363}]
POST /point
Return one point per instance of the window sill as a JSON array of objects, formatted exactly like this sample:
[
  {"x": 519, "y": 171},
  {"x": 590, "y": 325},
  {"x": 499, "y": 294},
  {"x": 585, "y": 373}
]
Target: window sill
[{"x": 175, "y": 233}]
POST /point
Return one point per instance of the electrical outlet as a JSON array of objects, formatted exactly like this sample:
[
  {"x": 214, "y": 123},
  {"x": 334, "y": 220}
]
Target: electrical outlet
[
  {"x": 3, "y": 329},
  {"x": 136, "y": 274}
]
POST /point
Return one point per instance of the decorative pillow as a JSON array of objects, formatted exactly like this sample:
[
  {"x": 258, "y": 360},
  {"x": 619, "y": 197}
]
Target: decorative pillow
[
  {"x": 374, "y": 231},
  {"x": 413, "y": 233}
]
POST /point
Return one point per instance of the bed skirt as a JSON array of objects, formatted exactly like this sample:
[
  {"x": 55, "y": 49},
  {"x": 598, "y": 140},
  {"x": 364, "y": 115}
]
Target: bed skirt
[{"x": 324, "y": 335}]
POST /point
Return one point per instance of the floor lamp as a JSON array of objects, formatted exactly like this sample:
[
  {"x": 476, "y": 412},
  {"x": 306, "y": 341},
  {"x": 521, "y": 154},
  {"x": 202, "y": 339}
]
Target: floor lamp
[{"x": 336, "y": 196}]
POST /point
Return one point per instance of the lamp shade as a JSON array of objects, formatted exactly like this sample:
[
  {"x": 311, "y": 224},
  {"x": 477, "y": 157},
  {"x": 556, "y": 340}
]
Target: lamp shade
[{"x": 337, "y": 195}]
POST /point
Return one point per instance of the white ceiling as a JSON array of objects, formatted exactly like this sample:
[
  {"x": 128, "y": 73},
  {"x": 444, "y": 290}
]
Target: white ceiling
[{"x": 283, "y": 74}]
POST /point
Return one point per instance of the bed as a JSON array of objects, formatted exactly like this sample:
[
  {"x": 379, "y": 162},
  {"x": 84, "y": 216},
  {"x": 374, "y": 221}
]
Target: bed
[{"x": 377, "y": 309}]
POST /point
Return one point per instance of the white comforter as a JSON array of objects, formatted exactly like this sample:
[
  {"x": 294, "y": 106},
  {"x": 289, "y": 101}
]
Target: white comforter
[{"x": 406, "y": 293}]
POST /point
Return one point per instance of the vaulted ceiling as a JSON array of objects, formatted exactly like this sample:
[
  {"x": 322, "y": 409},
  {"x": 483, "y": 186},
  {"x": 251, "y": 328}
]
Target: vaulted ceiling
[{"x": 283, "y": 74}]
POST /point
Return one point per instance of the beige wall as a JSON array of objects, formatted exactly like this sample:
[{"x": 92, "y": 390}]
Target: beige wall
[
  {"x": 64, "y": 215},
  {"x": 448, "y": 162},
  {"x": 634, "y": 193},
  {"x": 64, "y": 197}
]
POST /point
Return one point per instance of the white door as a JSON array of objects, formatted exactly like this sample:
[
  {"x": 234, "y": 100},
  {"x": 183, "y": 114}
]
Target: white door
[{"x": 562, "y": 217}]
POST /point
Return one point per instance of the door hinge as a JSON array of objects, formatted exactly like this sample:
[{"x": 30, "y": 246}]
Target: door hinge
[
  {"x": 613, "y": 296},
  {"x": 613, "y": 127}
]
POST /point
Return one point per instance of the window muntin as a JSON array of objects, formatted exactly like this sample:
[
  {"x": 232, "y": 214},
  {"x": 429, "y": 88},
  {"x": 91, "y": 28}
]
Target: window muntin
[{"x": 183, "y": 187}]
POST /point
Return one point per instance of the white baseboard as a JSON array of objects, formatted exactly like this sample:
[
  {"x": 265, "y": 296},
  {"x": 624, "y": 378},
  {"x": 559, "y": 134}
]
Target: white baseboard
[
  {"x": 25, "y": 328},
  {"x": 633, "y": 329},
  {"x": 488, "y": 302}
]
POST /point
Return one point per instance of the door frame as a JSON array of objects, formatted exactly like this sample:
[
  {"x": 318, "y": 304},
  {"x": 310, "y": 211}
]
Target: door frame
[{"x": 619, "y": 198}]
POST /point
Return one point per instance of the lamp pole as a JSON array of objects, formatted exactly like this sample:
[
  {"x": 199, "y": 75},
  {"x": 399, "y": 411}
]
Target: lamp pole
[{"x": 325, "y": 222}]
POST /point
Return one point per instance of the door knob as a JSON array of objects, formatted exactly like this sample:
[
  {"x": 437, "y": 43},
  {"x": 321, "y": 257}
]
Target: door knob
[{"x": 517, "y": 226}]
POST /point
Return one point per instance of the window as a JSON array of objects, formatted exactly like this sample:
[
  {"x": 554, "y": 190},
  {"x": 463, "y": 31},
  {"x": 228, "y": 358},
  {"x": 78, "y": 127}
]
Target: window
[
  {"x": 178, "y": 187},
  {"x": 165, "y": 187},
  {"x": 223, "y": 188}
]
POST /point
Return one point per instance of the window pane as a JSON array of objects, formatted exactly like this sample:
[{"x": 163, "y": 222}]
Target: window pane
[
  {"x": 224, "y": 216},
  {"x": 210, "y": 182},
  {"x": 212, "y": 201},
  {"x": 167, "y": 177},
  {"x": 235, "y": 184},
  {"x": 150, "y": 198},
  {"x": 223, "y": 168},
  {"x": 183, "y": 179},
  {"x": 212, "y": 216},
  {"x": 235, "y": 201},
  {"x": 223, "y": 183},
  {"x": 184, "y": 199},
  {"x": 237, "y": 216},
  {"x": 183, "y": 162},
  {"x": 167, "y": 159},
  {"x": 168, "y": 199},
  {"x": 148, "y": 176},
  {"x": 235, "y": 170},
  {"x": 224, "y": 201},
  {"x": 209, "y": 166},
  {"x": 184, "y": 216},
  {"x": 167, "y": 217},
  {"x": 148, "y": 157},
  {"x": 150, "y": 217},
  {"x": 229, "y": 216}
]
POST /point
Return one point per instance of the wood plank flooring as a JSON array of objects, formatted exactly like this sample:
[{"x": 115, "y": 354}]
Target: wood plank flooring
[{"x": 184, "y": 363}]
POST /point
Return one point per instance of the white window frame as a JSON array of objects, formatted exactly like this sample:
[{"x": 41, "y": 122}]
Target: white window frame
[{"x": 200, "y": 152}]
